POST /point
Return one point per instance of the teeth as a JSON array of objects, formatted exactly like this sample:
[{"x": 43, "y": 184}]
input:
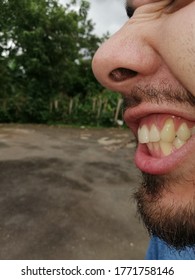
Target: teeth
[
  {"x": 166, "y": 148},
  {"x": 178, "y": 143},
  {"x": 150, "y": 146},
  {"x": 164, "y": 142},
  {"x": 154, "y": 134},
  {"x": 168, "y": 132},
  {"x": 183, "y": 132},
  {"x": 143, "y": 135},
  {"x": 156, "y": 146}
]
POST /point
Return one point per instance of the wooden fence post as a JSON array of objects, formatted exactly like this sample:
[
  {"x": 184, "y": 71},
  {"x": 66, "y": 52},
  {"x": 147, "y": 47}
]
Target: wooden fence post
[
  {"x": 99, "y": 108},
  {"x": 70, "y": 106},
  {"x": 120, "y": 101}
]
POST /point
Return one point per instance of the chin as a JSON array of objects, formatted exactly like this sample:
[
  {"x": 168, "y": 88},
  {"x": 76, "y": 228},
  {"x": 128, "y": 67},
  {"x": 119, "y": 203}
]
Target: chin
[{"x": 166, "y": 205}]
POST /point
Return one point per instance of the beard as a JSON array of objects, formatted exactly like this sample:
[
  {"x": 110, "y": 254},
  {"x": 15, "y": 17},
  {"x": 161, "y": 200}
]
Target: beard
[
  {"x": 160, "y": 204},
  {"x": 173, "y": 222}
]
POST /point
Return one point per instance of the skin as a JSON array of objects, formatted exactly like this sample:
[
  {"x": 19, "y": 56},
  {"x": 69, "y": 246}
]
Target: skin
[{"x": 155, "y": 49}]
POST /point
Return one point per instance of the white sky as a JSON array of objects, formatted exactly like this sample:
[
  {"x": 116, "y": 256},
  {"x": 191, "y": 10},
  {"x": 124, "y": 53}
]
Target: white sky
[{"x": 108, "y": 15}]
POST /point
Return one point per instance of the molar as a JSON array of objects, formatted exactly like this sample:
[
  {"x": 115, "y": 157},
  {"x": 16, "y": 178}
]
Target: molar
[{"x": 168, "y": 132}]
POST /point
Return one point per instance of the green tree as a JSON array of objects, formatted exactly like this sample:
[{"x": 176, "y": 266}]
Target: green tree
[{"x": 45, "y": 52}]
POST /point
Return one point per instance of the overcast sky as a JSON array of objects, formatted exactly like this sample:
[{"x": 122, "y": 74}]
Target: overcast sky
[{"x": 108, "y": 15}]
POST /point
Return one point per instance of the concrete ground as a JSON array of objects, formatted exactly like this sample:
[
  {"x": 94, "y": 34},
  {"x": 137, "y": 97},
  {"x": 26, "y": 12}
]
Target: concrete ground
[{"x": 66, "y": 193}]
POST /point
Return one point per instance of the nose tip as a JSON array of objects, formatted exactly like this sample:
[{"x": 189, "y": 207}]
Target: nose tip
[
  {"x": 127, "y": 57},
  {"x": 122, "y": 74}
]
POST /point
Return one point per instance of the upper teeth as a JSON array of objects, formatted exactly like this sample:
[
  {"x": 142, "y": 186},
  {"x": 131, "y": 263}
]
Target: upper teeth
[{"x": 167, "y": 139}]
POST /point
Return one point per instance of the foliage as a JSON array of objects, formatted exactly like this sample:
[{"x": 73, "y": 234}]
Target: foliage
[
  {"x": 98, "y": 110},
  {"x": 45, "y": 59}
]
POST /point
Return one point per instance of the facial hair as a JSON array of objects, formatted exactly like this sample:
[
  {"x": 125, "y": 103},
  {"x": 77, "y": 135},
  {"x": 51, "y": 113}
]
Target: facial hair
[
  {"x": 173, "y": 222},
  {"x": 164, "y": 94}
]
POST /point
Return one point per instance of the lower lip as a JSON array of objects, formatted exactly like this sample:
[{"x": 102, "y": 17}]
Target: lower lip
[{"x": 146, "y": 163}]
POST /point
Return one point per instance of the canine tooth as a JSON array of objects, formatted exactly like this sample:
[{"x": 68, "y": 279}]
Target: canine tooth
[
  {"x": 154, "y": 134},
  {"x": 168, "y": 132},
  {"x": 166, "y": 148},
  {"x": 143, "y": 134},
  {"x": 178, "y": 143},
  {"x": 184, "y": 132}
]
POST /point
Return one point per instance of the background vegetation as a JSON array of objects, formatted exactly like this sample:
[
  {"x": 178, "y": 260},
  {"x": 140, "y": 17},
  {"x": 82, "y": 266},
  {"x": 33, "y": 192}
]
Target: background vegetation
[{"x": 45, "y": 65}]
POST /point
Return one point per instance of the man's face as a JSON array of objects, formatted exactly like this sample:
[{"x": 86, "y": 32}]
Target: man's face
[{"x": 151, "y": 62}]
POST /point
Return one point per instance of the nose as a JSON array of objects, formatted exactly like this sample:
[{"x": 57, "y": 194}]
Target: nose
[{"x": 125, "y": 58}]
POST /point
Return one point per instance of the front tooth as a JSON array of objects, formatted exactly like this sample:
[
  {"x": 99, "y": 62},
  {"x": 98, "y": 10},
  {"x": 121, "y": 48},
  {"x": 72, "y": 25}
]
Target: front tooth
[
  {"x": 154, "y": 134},
  {"x": 184, "y": 132},
  {"x": 168, "y": 132},
  {"x": 166, "y": 148},
  {"x": 143, "y": 134},
  {"x": 178, "y": 143}
]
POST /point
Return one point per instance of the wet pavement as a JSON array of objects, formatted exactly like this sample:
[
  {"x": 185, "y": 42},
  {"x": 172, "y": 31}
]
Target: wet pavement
[{"x": 66, "y": 193}]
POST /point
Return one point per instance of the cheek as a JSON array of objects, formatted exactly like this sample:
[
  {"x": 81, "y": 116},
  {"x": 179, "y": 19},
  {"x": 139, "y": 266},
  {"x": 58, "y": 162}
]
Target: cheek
[{"x": 177, "y": 46}]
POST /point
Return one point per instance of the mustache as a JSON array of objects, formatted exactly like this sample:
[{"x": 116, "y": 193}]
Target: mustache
[{"x": 164, "y": 94}]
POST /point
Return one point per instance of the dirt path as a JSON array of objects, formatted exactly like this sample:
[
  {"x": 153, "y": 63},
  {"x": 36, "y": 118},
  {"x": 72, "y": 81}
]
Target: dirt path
[{"x": 66, "y": 194}]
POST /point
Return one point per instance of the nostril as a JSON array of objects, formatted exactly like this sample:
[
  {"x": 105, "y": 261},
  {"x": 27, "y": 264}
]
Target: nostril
[{"x": 122, "y": 74}]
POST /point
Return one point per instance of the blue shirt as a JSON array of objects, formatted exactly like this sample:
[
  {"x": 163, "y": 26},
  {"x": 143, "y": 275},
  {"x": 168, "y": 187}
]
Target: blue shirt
[{"x": 159, "y": 250}]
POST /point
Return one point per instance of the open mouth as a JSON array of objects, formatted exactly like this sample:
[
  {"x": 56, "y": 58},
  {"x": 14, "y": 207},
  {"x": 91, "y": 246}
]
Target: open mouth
[
  {"x": 163, "y": 135},
  {"x": 164, "y": 141}
]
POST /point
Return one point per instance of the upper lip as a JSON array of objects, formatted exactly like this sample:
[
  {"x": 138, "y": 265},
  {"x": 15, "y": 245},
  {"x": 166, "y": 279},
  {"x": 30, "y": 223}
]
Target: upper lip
[{"x": 132, "y": 116}]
